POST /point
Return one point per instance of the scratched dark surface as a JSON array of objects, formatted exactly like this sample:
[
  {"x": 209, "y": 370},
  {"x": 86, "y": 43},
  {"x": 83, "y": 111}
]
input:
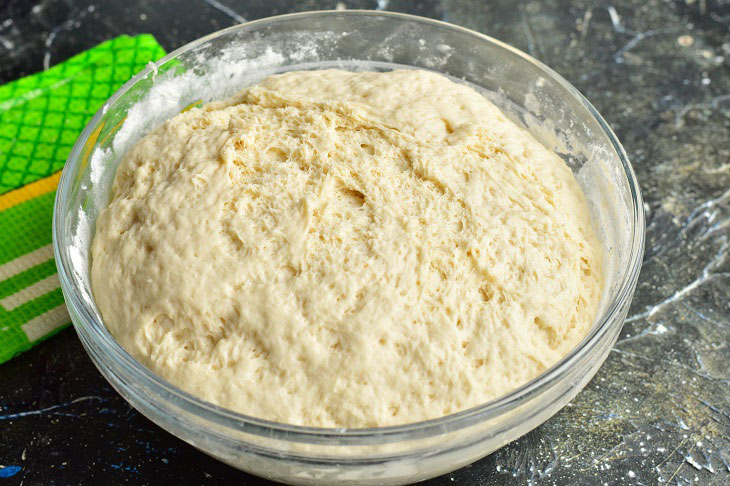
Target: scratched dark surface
[{"x": 659, "y": 408}]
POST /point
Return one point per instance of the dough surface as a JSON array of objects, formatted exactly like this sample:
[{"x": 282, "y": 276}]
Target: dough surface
[{"x": 344, "y": 249}]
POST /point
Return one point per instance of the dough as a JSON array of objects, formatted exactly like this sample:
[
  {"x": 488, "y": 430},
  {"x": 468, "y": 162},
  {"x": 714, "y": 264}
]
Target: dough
[{"x": 344, "y": 249}]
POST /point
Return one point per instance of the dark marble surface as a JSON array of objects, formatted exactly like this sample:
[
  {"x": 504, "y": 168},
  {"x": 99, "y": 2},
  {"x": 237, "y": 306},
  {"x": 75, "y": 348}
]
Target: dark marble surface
[{"x": 658, "y": 411}]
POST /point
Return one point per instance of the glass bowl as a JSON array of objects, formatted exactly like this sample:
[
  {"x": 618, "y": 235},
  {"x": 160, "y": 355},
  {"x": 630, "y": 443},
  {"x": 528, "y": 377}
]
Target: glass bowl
[{"x": 221, "y": 64}]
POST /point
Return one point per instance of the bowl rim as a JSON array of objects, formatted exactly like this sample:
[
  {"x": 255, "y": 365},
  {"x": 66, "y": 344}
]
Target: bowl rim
[{"x": 94, "y": 330}]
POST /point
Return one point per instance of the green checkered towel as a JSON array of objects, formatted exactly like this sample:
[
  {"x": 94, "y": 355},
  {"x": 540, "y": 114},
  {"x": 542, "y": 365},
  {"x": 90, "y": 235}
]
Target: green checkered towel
[{"x": 40, "y": 118}]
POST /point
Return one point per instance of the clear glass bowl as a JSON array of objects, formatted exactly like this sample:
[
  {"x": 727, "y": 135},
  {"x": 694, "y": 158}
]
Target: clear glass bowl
[{"x": 222, "y": 63}]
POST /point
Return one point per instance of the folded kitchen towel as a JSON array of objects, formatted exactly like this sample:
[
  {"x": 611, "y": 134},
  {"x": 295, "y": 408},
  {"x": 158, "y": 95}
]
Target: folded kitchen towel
[{"x": 40, "y": 118}]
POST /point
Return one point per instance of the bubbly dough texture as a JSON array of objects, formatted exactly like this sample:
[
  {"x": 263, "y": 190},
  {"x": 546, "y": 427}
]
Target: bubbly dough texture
[{"x": 344, "y": 249}]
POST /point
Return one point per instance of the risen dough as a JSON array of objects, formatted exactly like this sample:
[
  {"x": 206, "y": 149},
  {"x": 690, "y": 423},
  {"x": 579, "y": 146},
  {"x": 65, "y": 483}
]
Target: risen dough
[{"x": 346, "y": 249}]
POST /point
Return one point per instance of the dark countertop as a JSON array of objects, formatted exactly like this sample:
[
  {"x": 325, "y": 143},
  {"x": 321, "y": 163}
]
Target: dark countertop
[{"x": 659, "y": 408}]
